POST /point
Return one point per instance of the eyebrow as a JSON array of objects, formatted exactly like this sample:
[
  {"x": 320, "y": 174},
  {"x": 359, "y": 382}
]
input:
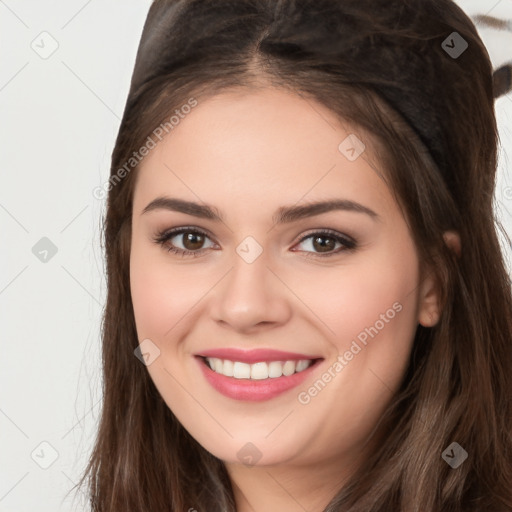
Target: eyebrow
[{"x": 284, "y": 214}]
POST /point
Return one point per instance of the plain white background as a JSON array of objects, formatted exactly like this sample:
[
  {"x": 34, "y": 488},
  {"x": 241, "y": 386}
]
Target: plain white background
[{"x": 60, "y": 116}]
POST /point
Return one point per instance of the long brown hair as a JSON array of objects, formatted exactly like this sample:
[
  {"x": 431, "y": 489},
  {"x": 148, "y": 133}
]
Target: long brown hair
[{"x": 458, "y": 384}]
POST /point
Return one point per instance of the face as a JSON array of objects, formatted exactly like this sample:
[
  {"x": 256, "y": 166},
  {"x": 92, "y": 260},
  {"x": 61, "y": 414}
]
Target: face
[{"x": 306, "y": 313}]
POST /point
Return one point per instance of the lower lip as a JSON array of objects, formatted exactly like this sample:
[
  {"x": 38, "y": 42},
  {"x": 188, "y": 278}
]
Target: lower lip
[{"x": 253, "y": 390}]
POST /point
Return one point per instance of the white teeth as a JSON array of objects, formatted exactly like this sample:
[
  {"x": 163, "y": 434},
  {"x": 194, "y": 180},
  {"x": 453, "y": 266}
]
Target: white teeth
[
  {"x": 218, "y": 365},
  {"x": 275, "y": 369},
  {"x": 301, "y": 365},
  {"x": 240, "y": 370},
  {"x": 289, "y": 368},
  {"x": 227, "y": 369},
  {"x": 257, "y": 371}
]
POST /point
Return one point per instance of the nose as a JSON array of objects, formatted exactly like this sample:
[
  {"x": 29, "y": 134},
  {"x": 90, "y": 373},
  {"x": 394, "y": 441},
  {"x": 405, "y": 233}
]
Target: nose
[{"x": 251, "y": 297}]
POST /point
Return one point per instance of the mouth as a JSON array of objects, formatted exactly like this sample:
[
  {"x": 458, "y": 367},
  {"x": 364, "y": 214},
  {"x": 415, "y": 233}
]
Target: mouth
[{"x": 255, "y": 375}]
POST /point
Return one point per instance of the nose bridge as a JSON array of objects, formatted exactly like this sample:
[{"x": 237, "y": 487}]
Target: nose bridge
[{"x": 250, "y": 294}]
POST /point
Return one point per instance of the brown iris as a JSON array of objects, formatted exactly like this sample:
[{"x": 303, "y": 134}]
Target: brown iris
[
  {"x": 322, "y": 246},
  {"x": 192, "y": 241}
]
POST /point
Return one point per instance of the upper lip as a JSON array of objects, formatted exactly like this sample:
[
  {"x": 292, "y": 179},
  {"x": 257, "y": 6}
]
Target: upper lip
[{"x": 255, "y": 355}]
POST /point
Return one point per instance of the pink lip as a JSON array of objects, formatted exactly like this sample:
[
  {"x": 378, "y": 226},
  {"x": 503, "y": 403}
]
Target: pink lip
[
  {"x": 254, "y": 356},
  {"x": 254, "y": 390}
]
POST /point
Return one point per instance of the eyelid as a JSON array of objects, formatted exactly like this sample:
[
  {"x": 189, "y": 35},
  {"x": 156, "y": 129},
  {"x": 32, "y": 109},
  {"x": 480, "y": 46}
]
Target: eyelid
[
  {"x": 169, "y": 233},
  {"x": 164, "y": 236},
  {"x": 347, "y": 242},
  {"x": 326, "y": 231}
]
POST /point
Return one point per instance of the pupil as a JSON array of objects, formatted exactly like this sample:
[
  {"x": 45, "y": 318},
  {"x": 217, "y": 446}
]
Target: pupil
[
  {"x": 324, "y": 247},
  {"x": 193, "y": 241}
]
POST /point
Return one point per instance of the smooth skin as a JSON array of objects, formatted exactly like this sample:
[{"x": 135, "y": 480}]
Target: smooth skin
[{"x": 247, "y": 153}]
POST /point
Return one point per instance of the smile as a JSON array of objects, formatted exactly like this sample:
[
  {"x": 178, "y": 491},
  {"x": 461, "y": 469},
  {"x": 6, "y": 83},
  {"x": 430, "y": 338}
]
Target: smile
[
  {"x": 255, "y": 375},
  {"x": 257, "y": 371}
]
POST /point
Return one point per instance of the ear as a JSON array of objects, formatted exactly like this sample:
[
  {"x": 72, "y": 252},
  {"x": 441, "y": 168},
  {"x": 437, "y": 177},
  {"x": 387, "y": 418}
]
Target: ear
[
  {"x": 429, "y": 307},
  {"x": 452, "y": 240}
]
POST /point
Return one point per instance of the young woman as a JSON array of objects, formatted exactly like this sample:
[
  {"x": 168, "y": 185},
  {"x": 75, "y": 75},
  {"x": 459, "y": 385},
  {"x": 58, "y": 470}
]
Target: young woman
[{"x": 308, "y": 308}]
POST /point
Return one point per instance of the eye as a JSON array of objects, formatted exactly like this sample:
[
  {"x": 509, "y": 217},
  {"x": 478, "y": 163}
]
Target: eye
[
  {"x": 192, "y": 241},
  {"x": 324, "y": 242}
]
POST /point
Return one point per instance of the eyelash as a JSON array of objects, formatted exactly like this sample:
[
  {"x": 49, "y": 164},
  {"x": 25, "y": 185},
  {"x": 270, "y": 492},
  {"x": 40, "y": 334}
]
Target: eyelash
[{"x": 163, "y": 237}]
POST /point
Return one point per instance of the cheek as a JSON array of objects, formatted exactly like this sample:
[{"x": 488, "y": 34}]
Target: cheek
[
  {"x": 161, "y": 294},
  {"x": 350, "y": 298},
  {"x": 368, "y": 312},
  {"x": 372, "y": 308}
]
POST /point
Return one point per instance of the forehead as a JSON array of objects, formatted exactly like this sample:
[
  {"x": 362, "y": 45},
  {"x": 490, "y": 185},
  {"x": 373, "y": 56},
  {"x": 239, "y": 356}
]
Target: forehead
[{"x": 270, "y": 143}]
